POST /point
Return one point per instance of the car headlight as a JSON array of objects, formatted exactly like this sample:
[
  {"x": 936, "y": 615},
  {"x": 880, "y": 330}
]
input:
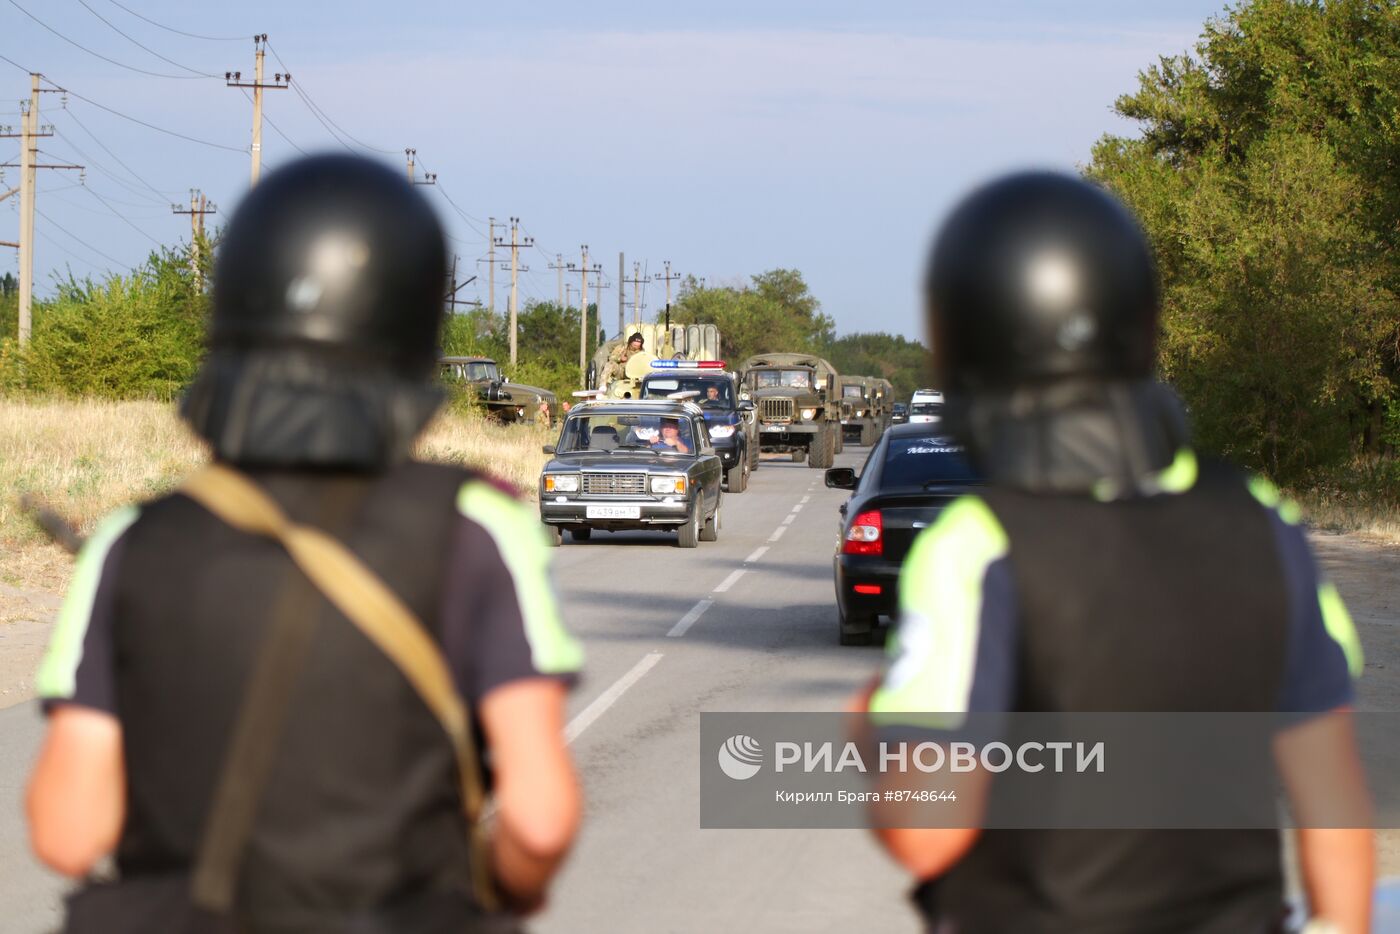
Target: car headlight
[
  {"x": 721, "y": 431},
  {"x": 808, "y": 414},
  {"x": 668, "y": 485},
  {"x": 561, "y": 483}
]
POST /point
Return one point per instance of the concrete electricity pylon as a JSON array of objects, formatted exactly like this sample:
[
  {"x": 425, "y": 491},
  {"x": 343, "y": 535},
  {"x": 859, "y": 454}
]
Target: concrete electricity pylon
[
  {"x": 30, "y": 132},
  {"x": 429, "y": 178},
  {"x": 199, "y": 207},
  {"x": 668, "y": 279},
  {"x": 583, "y": 269},
  {"x": 234, "y": 79},
  {"x": 559, "y": 265},
  {"x": 515, "y": 269}
]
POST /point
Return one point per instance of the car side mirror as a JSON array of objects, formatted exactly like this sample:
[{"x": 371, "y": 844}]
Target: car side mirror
[
  {"x": 548, "y": 449},
  {"x": 746, "y": 405},
  {"x": 841, "y": 478}
]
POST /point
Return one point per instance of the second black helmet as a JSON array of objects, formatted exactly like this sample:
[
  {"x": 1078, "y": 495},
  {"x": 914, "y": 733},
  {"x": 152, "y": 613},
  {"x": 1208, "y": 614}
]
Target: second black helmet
[
  {"x": 1040, "y": 276},
  {"x": 334, "y": 252}
]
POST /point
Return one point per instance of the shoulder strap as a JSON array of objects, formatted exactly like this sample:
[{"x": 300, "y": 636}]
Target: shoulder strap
[{"x": 364, "y": 599}]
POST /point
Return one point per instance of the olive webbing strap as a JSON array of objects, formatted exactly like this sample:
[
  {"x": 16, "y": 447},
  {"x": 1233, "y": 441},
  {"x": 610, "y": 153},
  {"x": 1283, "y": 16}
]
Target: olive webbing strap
[{"x": 363, "y": 598}]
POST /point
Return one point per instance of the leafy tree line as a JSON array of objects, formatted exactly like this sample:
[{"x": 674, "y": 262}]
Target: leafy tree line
[{"x": 1265, "y": 175}]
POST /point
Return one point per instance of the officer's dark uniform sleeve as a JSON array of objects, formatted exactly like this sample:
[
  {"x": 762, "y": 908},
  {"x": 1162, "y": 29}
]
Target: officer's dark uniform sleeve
[
  {"x": 1324, "y": 653},
  {"x": 500, "y": 618},
  {"x": 79, "y": 666},
  {"x": 954, "y": 651}
]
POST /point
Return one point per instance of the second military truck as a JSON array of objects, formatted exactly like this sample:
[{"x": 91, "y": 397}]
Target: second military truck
[{"x": 799, "y": 407}]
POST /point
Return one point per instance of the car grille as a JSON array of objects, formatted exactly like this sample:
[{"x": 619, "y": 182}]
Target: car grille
[
  {"x": 776, "y": 410},
  {"x": 616, "y": 483}
]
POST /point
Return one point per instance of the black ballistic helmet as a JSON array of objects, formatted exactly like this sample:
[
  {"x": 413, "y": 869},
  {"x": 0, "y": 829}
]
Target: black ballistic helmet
[
  {"x": 1039, "y": 276},
  {"x": 1043, "y": 304},
  {"x": 328, "y": 303}
]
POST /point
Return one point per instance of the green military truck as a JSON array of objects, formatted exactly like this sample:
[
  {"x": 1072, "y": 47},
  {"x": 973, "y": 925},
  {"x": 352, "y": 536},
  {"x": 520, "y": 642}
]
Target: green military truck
[
  {"x": 860, "y": 421},
  {"x": 502, "y": 399},
  {"x": 798, "y": 402},
  {"x": 883, "y": 398}
]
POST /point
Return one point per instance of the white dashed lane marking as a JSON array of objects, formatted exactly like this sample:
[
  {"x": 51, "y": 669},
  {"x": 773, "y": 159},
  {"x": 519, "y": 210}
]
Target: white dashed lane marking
[
  {"x": 609, "y": 697},
  {"x": 731, "y": 580},
  {"x": 758, "y": 552},
  {"x": 778, "y": 534},
  {"x": 689, "y": 618}
]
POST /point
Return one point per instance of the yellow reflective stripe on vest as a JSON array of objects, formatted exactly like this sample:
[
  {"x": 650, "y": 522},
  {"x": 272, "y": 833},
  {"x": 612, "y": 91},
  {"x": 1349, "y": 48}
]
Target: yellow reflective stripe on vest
[
  {"x": 1340, "y": 627},
  {"x": 58, "y": 672},
  {"x": 519, "y": 537},
  {"x": 940, "y": 595}
]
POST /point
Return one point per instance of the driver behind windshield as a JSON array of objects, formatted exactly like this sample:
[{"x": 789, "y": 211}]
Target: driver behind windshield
[
  {"x": 673, "y": 439},
  {"x": 711, "y": 396}
]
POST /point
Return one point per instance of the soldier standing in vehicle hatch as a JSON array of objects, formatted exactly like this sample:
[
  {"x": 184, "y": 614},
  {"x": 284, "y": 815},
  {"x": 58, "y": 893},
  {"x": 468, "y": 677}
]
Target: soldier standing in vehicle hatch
[{"x": 617, "y": 360}]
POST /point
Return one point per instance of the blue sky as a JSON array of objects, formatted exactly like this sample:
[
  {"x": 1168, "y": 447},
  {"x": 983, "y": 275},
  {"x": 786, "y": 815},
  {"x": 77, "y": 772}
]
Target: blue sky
[{"x": 727, "y": 137}]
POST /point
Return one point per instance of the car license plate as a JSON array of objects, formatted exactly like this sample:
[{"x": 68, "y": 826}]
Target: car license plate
[
  {"x": 775, "y": 428},
  {"x": 614, "y": 512}
]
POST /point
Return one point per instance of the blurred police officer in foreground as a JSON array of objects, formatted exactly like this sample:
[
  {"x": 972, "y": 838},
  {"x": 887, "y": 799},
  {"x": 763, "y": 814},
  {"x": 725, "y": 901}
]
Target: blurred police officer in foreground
[
  {"x": 322, "y": 349},
  {"x": 1104, "y": 567}
]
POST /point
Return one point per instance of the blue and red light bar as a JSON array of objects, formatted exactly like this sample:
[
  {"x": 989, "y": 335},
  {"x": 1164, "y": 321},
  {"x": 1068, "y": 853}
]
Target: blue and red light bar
[{"x": 687, "y": 364}]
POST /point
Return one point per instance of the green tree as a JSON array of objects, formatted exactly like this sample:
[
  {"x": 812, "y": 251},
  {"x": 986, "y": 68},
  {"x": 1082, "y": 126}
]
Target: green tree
[{"x": 1264, "y": 175}]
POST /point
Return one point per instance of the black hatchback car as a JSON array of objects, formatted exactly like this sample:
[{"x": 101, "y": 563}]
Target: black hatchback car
[{"x": 909, "y": 477}]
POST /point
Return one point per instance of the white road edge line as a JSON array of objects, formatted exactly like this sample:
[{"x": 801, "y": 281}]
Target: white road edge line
[
  {"x": 778, "y": 534},
  {"x": 757, "y": 553},
  {"x": 603, "y": 701},
  {"x": 731, "y": 580},
  {"x": 787, "y": 520},
  {"x": 689, "y": 619}
]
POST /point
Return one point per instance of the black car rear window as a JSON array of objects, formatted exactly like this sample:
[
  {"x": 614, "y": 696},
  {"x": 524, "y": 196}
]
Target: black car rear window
[{"x": 917, "y": 461}]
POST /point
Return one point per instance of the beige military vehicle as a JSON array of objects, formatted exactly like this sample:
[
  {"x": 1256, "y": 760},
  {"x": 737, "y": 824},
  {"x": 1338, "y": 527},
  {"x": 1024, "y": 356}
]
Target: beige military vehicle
[
  {"x": 798, "y": 405},
  {"x": 859, "y": 419},
  {"x": 659, "y": 342}
]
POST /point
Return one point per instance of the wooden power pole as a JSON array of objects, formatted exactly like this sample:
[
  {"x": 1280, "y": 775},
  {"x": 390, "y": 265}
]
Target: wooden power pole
[{"x": 234, "y": 79}]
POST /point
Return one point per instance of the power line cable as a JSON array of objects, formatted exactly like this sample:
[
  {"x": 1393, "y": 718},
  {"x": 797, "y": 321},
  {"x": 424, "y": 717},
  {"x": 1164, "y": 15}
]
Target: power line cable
[
  {"x": 314, "y": 106},
  {"x": 152, "y": 126},
  {"x": 76, "y": 238},
  {"x": 76, "y": 45},
  {"x": 178, "y": 32},
  {"x": 168, "y": 61},
  {"x": 163, "y": 195},
  {"x": 123, "y": 218},
  {"x": 127, "y": 186},
  {"x": 27, "y": 71},
  {"x": 306, "y": 100},
  {"x": 86, "y": 262}
]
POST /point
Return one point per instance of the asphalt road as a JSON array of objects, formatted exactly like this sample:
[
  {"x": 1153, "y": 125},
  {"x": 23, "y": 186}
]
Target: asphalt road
[{"x": 746, "y": 623}]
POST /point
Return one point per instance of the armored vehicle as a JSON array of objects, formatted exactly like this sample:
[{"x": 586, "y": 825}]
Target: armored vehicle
[
  {"x": 659, "y": 342},
  {"x": 633, "y": 464},
  {"x": 504, "y": 400},
  {"x": 799, "y": 406}
]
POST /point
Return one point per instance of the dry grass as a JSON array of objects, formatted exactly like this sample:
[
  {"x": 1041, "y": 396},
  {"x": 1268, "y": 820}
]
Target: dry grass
[
  {"x": 85, "y": 458},
  {"x": 1376, "y": 522}
]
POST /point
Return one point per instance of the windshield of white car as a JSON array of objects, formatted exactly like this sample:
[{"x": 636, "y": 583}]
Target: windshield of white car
[{"x": 926, "y": 408}]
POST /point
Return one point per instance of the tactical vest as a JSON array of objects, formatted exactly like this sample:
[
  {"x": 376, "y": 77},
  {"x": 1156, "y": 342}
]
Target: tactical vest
[
  {"x": 362, "y": 809},
  {"x": 1164, "y": 603}
]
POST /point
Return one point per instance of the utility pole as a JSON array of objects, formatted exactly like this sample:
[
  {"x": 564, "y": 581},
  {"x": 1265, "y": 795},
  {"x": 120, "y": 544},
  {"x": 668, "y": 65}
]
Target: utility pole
[
  {"x": 234, "y": 79},
  {"x": 453, "y": 287},
  {"x": 569, "y": 293},
  {"x": 560, "y": 265},
  {"x": 199, "y": 206},
  {"x": 583, "y": 269},
  {"x": 491, "y": 264},
  {"x": 621, "y": 271},
  {"x": 30, "y": 132},
  {"x": 515, "y": 269},
  {"x": 429, "y": 178},
  {"x": 637, "y": 282},
  {"x": 668, "y": 279}
]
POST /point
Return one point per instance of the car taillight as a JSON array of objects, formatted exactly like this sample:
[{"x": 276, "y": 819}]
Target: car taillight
[{"x": 864, "y": 536}]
